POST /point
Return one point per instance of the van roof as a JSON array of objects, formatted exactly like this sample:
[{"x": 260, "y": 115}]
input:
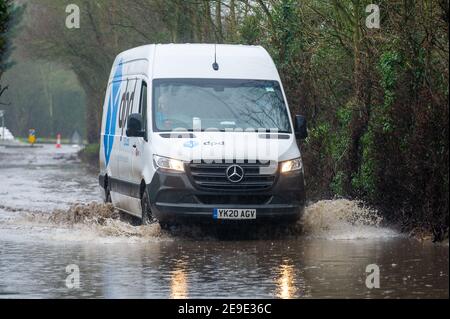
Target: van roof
[{"x": 196, "y": 60}]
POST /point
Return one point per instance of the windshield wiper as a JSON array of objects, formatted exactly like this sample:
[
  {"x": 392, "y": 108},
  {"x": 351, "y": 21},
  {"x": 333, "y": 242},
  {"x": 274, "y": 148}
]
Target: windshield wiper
[{"x": 240, "y": 131}]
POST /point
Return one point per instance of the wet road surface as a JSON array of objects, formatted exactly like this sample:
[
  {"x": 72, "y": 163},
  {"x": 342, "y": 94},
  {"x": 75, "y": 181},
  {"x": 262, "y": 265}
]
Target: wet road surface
[{"x": 328, "y": 259}]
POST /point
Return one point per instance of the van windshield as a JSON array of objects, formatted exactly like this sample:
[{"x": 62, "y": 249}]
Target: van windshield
[{"x": 219, "y": 104}]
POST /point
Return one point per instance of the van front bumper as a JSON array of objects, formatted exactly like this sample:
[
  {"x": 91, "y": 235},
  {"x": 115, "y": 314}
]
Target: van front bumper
[{"x": 174, "y": 197}]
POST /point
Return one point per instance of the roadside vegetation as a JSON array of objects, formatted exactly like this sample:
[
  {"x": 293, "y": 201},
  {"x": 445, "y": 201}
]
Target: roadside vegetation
[
  {"x": 89, "y": 154},
  {"x": 376, "y": 99},
  {"x": 10, "y": 15}
]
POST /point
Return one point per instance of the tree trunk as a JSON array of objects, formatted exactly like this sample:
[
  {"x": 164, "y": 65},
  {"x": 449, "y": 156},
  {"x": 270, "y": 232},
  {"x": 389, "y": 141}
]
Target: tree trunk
[
  {"x": 233, "y": 29},
  {"x": 207, "y": 22},
  {"x": 93, "y": 116},
  {"x": 359, "y": 121},
  {"x": 219, "y": 33}
]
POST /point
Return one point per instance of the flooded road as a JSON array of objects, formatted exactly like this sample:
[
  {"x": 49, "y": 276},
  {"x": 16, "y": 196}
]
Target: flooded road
[{"x": 40, "y": 235}]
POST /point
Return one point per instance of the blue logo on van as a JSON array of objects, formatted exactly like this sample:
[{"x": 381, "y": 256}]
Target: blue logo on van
[
  {"x": 191, "y": 144},
  {"x": 111, "y": 115}
]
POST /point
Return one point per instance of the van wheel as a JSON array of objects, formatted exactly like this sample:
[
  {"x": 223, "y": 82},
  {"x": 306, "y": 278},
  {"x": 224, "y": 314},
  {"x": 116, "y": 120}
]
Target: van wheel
[
  {"x": 108, "y": 194},
  {"x": 147, "y": 217}
]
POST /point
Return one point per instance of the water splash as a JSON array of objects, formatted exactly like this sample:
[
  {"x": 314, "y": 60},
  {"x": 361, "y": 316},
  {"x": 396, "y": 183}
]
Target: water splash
[
  {"x": 343, "y": 219},
  {"x": 339, "y": 219},
  {"x": 95, "y": 221}
]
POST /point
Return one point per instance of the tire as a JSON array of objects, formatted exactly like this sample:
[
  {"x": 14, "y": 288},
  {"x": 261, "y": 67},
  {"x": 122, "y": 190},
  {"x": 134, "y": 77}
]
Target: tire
[{"x": 147, "y": 217}]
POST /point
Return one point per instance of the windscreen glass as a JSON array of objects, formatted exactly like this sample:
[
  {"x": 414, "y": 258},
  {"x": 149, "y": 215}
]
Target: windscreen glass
[{"x": 217, "y": 104}]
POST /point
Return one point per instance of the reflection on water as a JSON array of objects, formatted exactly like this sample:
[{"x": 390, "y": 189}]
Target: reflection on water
[
  {"x": 286, "y": 282},
  {"x": 179, "y": 284},
  {"x": 212, "y": 269}
]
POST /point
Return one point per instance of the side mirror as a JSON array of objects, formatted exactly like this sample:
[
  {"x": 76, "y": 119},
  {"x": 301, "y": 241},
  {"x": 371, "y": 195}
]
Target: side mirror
[
  {"x": 135, "y": 125},
  {"x": 301, "y": 131}
]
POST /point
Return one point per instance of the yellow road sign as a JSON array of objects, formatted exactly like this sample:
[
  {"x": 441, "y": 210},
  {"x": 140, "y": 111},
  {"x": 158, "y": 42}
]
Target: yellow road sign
[{"x": 32, "y": 136}]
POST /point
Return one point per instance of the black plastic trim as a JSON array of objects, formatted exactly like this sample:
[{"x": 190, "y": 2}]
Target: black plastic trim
[{"x": 125, "y": 188}]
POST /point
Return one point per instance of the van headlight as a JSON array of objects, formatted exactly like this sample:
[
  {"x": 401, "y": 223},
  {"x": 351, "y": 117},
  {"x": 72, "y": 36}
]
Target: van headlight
[
  {"x": 168, "y": 163},
  {"x": 292, "y": 165}
]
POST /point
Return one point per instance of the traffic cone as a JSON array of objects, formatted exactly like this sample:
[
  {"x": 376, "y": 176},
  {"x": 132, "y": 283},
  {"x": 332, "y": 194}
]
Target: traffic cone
[{"x": 58, "y": 141}]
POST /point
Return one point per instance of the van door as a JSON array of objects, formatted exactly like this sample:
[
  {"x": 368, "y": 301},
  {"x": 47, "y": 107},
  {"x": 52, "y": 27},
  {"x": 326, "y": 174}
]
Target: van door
[
  {"x": 138, "y": 143},
  {"x": 128, "y": 101},
  {"x": 109, "y": 131},
  {"x": 111, "y": 134}
]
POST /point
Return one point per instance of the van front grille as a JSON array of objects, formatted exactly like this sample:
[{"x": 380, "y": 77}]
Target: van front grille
[
  {"x": 212, "y": 176},
  {"x": 234, "y": 199}
]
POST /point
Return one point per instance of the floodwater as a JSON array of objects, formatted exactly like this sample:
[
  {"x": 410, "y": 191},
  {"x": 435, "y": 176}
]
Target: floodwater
[{"x": 326, "y": 256}]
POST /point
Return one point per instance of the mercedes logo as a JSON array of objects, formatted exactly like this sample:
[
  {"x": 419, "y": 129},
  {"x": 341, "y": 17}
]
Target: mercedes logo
[{"x": 235, "y": 173}]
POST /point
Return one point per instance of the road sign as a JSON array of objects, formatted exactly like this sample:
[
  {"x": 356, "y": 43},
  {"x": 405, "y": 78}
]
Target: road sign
[{"x": 32, "y": 136}]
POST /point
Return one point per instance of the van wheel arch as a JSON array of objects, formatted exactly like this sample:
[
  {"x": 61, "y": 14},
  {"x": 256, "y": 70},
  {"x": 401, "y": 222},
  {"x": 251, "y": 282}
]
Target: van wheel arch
[
  {"x": 105, "y": 181},
  {"x": 107, "y": 188},
  {"x": 142, "y": 188},
  {"x": 147, "y": 217}
]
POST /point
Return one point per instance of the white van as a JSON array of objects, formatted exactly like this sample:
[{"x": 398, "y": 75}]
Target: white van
[{"x": 200, "y": 132}]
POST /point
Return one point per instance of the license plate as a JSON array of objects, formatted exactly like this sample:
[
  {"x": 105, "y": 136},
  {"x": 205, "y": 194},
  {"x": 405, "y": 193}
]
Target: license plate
[{"x": 236, "y": 214}]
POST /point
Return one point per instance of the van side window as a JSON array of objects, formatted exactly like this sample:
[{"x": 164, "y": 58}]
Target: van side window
[{"x": 143, "y": 103}]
